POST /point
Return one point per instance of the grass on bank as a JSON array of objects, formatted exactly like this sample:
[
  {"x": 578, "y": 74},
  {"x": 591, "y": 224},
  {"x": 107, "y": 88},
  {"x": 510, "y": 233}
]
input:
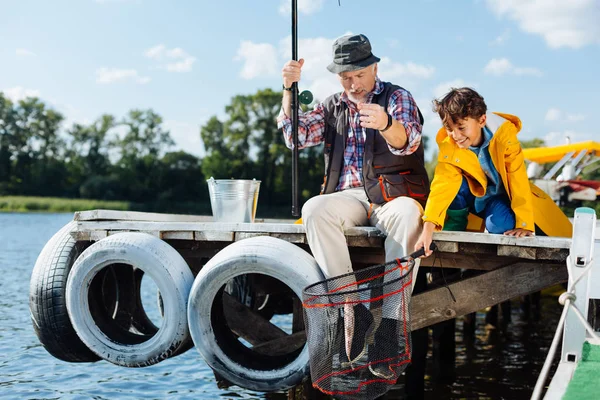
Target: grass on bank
[
  {"x": 25, "y": 204},
  {"x": 57, "y": 205}
]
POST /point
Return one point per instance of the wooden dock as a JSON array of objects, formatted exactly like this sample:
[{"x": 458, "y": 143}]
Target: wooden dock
[{"x": 505, "y": 267}]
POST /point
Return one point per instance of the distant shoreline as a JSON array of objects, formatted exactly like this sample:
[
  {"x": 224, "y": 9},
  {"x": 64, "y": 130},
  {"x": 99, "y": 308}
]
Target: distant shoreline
[{"x": 26, "y": 204}]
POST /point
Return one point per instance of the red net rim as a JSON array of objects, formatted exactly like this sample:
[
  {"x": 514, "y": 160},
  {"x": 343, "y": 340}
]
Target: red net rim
[{"x": 311, "y": 296}]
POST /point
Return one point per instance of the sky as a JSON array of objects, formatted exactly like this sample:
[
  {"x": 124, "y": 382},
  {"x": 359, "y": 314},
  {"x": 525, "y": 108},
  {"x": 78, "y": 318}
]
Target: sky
[{"x": 186, "y": 59}]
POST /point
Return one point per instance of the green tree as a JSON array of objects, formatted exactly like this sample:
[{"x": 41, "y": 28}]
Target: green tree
[
  {"x": 7, "y": 121},
  {"x": 248, "y": 145},
  {"x": 140, "y": 148}
]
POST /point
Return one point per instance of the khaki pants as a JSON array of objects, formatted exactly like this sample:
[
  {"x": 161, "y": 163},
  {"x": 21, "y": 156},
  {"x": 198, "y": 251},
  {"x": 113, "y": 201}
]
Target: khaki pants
[{"x": 326, "y": 216}]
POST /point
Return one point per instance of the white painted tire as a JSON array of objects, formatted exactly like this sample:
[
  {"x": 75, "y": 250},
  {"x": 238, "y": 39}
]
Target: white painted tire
[
  {"x": 259, "y": 255},
  {"x": 170, "y": 273}
]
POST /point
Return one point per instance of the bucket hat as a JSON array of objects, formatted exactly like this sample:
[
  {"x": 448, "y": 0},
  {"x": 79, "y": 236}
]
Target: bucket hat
[{"x": 351, "y": 53}]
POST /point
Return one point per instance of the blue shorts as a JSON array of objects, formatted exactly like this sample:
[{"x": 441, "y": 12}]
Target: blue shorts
[{"x": 497, "y": 214}]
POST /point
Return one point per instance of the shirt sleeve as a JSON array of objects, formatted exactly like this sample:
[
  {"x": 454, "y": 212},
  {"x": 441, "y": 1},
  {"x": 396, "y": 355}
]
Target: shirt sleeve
[
  {"x": 311, "y": 127},
  {"x": 403, "y": 108}
]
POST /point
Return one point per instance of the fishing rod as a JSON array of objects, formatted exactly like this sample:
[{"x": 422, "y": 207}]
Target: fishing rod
[{"x": 295, "y": 197}]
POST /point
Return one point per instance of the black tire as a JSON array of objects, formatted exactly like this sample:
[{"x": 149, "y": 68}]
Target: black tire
[{"x": 47, "y": 299}]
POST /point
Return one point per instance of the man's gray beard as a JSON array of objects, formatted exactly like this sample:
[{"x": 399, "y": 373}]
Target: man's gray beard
[{"x": 353, "y": 98}]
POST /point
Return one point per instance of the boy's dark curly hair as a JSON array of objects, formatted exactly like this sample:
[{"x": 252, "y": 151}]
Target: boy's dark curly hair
[{"x": 459, "y": 104}]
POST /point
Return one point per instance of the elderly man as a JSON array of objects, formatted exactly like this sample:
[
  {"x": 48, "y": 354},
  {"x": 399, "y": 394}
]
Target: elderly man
[{"x": 374, "y": 165}]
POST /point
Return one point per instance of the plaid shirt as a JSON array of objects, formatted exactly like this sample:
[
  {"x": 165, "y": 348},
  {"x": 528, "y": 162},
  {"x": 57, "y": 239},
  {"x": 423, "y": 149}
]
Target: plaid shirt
[{"x": 311, "y": 127}]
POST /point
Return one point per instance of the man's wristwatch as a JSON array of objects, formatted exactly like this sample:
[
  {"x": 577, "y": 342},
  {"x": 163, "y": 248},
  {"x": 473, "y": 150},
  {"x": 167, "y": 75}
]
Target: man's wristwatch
[
  {"x": 389, "y": 123},
  {"x": 289, "y": 89}
]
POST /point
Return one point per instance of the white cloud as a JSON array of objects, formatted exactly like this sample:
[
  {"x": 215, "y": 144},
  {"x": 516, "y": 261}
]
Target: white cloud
[
  {"x": 156, "y": 52},
  {"x": 391, "y": 71},
  {"x": 444, "y": 87},
  {"x": 186, "y": 136},
  {"x": 553, "y": 114},
  {"x": 572, "y": 23},
  {"x": 19, "y": 93},
  {"x": 263, "y": 59},
  {"x": 181, "y": 66},
  {"x": 501, "y": 39},
  {"x": 324, "y": 87},
  {"x": 559, "y": 138},
  {"x": 304, "y": 6},
  {"x": 317, "y": 54},
  {"x": 502, "y": 66},
  {"x": 259, "y": 59},
  {"x": 575, "y": 117},
  {"x": 25, "y": 53},
  {"x": 177, "y": 59},
  {"x": 109, "y": 75}
]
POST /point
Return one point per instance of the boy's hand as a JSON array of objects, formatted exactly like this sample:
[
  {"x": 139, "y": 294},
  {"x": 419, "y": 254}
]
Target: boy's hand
[
  {"x": 518, "y": 232},
  {"x": 425, "y": 239}
]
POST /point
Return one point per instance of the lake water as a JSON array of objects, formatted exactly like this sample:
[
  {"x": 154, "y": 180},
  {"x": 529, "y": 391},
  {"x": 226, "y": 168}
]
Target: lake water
[{"x": 497, "y": 365}]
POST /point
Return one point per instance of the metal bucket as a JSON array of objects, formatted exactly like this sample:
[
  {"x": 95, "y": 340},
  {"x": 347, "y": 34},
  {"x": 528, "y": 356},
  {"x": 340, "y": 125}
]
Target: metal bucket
[{"x": 233, "y": 200}]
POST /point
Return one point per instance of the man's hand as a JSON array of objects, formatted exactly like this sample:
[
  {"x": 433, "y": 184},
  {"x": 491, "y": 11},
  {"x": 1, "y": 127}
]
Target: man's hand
[
  {"x": 425, "y": 239},
  {"x": 376, "y": 117},
  {"x": 518, "y": 232},
  {"x": 372, "y": 116},
  {"x": 291, "y": 72}
]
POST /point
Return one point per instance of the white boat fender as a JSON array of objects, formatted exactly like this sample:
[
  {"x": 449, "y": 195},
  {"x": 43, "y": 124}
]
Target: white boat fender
[
  {"x": 222, "y": 351},
  {"x": 99, "y": 332}
]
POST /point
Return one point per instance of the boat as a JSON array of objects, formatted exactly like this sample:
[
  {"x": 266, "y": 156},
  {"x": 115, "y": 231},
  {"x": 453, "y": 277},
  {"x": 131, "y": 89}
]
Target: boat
[{"x": 563, "y": 182}]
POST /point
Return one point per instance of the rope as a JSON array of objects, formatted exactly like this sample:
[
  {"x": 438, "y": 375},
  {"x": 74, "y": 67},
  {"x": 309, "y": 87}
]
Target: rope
[{"x": 566, "y": 299}]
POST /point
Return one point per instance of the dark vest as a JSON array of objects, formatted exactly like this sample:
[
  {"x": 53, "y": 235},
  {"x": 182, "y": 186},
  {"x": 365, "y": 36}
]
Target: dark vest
[{"x": 385, "y": 175}]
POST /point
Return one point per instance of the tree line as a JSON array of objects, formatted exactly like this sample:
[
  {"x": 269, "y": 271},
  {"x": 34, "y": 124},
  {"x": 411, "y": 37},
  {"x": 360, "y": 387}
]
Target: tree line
[{"x": 130, "y": 158}]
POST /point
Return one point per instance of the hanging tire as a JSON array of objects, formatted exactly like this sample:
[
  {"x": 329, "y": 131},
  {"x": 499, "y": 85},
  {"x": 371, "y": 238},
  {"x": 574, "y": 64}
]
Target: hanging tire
[
  {"x": 47, "y": 299},
  {"x": 220, "y": 348},
  {"x": 123, "y": 343}
]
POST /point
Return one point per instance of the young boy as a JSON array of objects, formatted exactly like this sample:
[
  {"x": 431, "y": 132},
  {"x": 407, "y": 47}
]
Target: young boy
[{"x": 481, "y": 170}]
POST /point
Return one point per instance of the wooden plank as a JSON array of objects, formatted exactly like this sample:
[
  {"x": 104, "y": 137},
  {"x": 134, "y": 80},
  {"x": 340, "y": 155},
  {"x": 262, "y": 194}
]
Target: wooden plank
[
  {"x": 369, "y": 231},
  {"x": 373, "y": 234},
  {"x": 482, "y": 262},
  {"x": 97, "y": 235},
  {"x": 190, "y": 226},
  {"x": 213, "y": 236},
  {"x": 528, "y": 253},
  {"x": 489, "y": 238},
  {"x": 297, "y": 238},
  {"x": 115, "y": 215},
  {"x": 249, "y": 324},
  {"x": 447, "y": 247},
  {"x": 246, "y": 235},
  {"x": 83, "y": 236},
  {"x": 283, "y": 345},
  {"x": 288, "y": 237},
  {"x": 483, "y": 291},
  {"x": 177, "y": 235}
]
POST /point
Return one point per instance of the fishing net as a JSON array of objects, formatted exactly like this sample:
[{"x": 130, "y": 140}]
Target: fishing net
[{"x": 358, "y": 330}]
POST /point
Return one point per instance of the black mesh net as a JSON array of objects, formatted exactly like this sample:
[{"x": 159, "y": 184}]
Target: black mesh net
[{"x": 358, "y": 330}]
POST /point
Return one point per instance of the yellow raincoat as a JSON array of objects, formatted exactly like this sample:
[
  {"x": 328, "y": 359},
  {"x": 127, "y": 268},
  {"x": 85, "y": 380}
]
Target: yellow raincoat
[{"x": 529, "y": 203}]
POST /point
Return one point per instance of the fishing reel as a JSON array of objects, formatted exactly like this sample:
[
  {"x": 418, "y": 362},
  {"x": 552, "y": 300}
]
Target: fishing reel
[{"x": 305, "y": 97}]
